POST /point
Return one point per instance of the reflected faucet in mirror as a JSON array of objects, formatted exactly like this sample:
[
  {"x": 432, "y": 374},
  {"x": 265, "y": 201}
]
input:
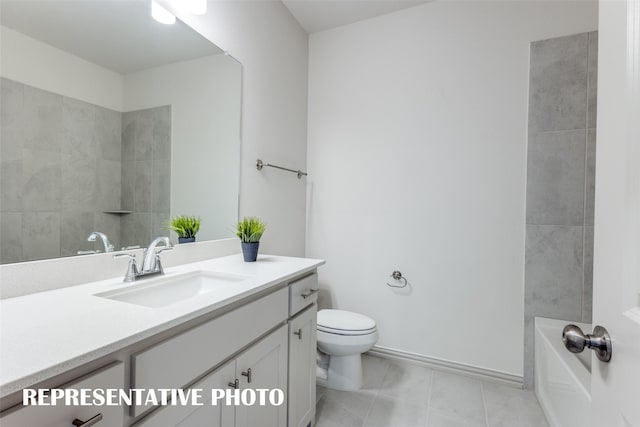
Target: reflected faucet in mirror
[{"x": 108, "y": 247}]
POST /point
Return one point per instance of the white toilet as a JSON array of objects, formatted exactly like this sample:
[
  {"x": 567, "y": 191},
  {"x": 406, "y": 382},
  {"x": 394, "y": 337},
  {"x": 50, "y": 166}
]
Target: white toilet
[{"x": 344, "y": 336}]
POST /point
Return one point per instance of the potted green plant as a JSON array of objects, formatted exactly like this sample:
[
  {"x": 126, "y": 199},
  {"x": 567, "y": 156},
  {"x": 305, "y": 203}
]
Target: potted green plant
[
  {"x": 186, "y": 227},
  {"x": 250, "y": 230}
]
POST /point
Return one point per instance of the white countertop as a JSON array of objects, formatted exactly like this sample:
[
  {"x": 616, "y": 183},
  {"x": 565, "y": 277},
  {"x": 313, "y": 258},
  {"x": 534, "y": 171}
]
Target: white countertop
[{"x": 48, "y": 333}]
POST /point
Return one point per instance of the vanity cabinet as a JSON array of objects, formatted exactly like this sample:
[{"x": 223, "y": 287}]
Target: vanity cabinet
[
  {"x": 303, "y": 295},
  {"x": 266, "y": 341},
  {"x": 261, "y": 366},
  {"x": 177, "y": 361},
  {"x": 197, "y": 416},
  {"x": 302, "y": 368},
  {"x": 264, "y": 366},
  {"x": 111, "y": 377}
]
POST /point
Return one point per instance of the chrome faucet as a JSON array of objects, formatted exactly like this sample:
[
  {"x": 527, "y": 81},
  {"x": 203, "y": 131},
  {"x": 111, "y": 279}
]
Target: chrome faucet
[
  {"x": 108, "y": 247},
  {"x": 151, "y": 261},
  {"x": 151, "y": 264}
]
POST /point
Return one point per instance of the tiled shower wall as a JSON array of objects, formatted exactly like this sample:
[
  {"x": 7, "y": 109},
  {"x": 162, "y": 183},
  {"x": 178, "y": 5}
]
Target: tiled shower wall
[
  {"x": 61, "y": 167},
  {"x": 146, "y": 174},
  {"x": 560, "y": 183}
]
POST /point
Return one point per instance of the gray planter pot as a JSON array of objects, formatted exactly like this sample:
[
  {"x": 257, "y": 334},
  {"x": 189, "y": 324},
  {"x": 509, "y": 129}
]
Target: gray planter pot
[
  {"x": 250, "y": 251},
  {"x": 186, "y": 239}
]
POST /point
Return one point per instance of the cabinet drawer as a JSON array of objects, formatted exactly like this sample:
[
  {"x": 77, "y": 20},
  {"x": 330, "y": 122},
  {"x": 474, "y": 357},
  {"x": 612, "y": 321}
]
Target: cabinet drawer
[
  {"x": 62, "y": 416},
  {"x": 303, "y": 292},
  {"x": 179, "y": 360}
]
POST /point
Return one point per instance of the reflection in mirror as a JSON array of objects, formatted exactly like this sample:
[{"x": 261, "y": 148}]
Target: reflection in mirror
[{"x": 111, "y": 123}]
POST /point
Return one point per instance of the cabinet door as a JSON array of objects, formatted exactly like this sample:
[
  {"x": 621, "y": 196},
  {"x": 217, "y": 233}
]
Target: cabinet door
[
  {"x": 207, "y": 415},
  {"x": 168, "y": 365},
  {"x": 302, "y": 368},
  {"x": 63, "y": 416},
  {"x": 267, "y": 361}
]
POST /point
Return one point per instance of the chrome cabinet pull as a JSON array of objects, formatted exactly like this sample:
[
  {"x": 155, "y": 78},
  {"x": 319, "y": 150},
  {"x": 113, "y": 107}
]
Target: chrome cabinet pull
[
  {"x": 91, "y": 421},
  {"x": 247, "y": 374},
  {"x": 235, "y": 384},
  {"x": 307, "y": 294},
  {"x": 298, "y": 333}
]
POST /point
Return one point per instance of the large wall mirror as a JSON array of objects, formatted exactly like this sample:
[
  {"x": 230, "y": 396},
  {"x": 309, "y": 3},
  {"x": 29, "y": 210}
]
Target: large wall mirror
[{"x": 111, "y": 122}]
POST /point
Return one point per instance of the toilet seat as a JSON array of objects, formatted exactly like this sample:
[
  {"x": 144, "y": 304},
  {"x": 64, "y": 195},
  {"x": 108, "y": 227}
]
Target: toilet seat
[
  {"x": 345, "y": 331},
  {"x": 343, "y": 322}
]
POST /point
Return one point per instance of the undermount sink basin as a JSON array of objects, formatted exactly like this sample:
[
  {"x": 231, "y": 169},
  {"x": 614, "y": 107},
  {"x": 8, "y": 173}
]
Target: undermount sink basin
[{"x": 165, "y": 291}]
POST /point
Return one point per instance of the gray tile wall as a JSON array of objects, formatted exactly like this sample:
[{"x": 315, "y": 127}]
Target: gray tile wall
[
  {"x": 146, "y": 174},
  {"x": 560, "y": 183},
  {"x": 61, "y": 167}
]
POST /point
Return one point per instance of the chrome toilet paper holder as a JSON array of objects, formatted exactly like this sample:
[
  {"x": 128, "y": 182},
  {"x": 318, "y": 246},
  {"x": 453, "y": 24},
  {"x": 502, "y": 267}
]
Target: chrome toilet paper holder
[{"x": 397, "y": 276}]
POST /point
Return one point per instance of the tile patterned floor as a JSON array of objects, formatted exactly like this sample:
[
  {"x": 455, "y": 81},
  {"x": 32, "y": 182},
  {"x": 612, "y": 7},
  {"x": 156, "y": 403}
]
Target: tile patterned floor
[{"x": 402, "y": 395}]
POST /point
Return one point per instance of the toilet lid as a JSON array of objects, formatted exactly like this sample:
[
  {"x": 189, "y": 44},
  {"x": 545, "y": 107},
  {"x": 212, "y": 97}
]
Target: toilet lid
[{"x": 341, "y": 320}]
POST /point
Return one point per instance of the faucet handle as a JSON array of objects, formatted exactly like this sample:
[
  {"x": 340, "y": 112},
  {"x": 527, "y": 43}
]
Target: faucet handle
[
  {"x": 158, "y": 263},
  {"x": 132, "y": 268}
]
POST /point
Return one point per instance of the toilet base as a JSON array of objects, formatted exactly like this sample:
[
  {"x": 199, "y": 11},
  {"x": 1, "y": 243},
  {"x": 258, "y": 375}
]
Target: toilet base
[{"x": 344, "y": 373}]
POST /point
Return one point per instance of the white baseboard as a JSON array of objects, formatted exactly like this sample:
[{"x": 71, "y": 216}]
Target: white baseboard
[{"x": 448, "y": 366}]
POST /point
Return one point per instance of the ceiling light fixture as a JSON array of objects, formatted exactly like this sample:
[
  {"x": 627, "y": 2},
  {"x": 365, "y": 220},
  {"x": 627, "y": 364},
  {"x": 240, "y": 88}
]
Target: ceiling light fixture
[
  {"x": 161, "y": 14},
  {"x": 194, "y": 7}
]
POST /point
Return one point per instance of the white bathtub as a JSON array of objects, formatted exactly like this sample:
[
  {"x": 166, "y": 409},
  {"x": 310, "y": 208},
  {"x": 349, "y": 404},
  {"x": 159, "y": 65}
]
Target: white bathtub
[{"x": 562, "y": 379}]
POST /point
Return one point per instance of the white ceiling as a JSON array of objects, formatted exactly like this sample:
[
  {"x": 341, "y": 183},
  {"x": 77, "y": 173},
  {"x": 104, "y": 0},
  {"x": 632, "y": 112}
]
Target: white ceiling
[
  {"x": 118, "y": 35},
  {"x": 319, "y": 15},
  {"x": 122, "y": 36}
]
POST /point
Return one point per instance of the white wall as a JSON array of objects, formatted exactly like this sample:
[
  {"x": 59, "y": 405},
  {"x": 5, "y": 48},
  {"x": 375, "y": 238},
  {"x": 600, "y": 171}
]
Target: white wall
[
  {"x": 204, "y": 95},
  {"x": 37, "y": 64},
  {"x": 272, "y": 48},
  {"x": 417, "y": 161}
]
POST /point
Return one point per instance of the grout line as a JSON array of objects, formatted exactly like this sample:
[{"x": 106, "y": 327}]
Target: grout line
[
  {"x": 366, "y": 416},
  {"x": 554, "y": 225},
  {"x": 433, "y": 374},
  {"x": 345, "y": 408},
  {"x": 588, "y": 75},
  {"x": 376, "y": 394},
  {"x": 583, "y": 282},
  {"x": 586, "y": 175},
  {"x": 545, "y": 132},
  {"x": 484, "y": 404}
]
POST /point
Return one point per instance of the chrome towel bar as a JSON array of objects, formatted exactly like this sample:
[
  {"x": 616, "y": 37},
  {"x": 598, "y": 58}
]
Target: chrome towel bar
[{"x": 260, "y": 164}]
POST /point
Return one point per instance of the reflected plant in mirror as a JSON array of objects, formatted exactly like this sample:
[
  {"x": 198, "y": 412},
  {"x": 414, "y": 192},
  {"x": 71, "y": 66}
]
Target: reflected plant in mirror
[
  {"x": 186, "y": 227},
  {"x": 100, "y": 129}
]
